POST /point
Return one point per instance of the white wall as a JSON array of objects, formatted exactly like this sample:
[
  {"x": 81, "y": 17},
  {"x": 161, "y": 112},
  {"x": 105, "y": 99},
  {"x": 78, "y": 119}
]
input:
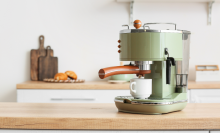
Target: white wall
[{"x": 84, "y": 34}]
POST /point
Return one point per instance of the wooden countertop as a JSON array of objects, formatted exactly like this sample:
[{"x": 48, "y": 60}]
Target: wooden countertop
[
  {"x": 91, "y": 85},
  {"x": 204, "y": 85},
  {"x": 104, "y": 116},
  {"x": 103, "y": 85}
]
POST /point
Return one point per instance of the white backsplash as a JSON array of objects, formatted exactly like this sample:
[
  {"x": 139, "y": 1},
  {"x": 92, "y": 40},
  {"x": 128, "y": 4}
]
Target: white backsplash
[{"x": 84, "y": 34}]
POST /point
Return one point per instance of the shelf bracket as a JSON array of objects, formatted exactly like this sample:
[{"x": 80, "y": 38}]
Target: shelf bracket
[
  {"x": 131, "y": 12},
  {"x": 210, "y": 12}
]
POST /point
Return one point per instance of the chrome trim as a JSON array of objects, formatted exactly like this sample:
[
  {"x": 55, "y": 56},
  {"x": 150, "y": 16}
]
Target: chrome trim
[
  {"x": 149, "y": 30},
  {"x": 126, "y": 97},
  {"x": 143, "y": 62},
  {"x": 126, "y": 25},
  {"x": 146, "y": 26},
  {"x": 161, "y": 23},
  {"x": 143, "y": 65},
  {"x": 119, "y": 101},
  {"x": 158, "y": 103},
  {"x": 166, "y": 52},
  {"x": 185, "y": 32}
]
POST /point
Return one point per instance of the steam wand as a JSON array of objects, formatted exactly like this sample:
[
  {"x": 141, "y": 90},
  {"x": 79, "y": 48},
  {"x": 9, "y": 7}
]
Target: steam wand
[{"x": 169, "y": 61}]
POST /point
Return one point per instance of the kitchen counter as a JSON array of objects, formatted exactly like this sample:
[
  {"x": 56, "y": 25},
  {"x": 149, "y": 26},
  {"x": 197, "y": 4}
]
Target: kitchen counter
[
  {"x": 103, "y": 85},
  {"x": 204, "y": 85},
  {"x": 104, "y": 116},
  {"x": 91, "y": 85}
]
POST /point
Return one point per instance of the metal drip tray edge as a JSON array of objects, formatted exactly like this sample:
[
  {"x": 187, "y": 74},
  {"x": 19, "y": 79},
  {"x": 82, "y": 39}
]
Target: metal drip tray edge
[{"x": 151, "y": 103}]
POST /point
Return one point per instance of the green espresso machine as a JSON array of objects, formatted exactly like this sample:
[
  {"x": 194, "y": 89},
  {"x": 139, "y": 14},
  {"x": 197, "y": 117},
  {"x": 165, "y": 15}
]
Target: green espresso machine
[{"x": 160, "y": 55}]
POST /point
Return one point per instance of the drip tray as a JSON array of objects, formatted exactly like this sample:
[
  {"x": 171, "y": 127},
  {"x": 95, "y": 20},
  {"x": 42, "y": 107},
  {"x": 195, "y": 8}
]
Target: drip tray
[
  {"x": 130, "y": 97},
  {"x": 148, "y": 106}
]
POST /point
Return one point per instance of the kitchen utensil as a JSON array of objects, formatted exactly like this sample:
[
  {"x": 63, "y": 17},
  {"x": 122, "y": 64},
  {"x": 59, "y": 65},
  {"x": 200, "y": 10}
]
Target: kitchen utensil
[
  {"x": 48, "y": 65},
  {"x": 35, "y": 54},
  {"x": 160, "y": 56}
]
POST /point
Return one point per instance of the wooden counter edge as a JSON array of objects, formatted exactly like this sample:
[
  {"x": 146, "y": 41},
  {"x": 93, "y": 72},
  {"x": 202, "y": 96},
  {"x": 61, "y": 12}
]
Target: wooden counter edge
[
  {"x": 103, "y": 85},
  {"x": 100, "y": 85},
  {"x": 109, "y": 123},
  {"x": 101, "y": 116}
]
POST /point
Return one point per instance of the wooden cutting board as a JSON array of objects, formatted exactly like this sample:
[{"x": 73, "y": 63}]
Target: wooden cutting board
[
  {"x": 35, "y": 54},
  {"x": 48, "y": 65}
]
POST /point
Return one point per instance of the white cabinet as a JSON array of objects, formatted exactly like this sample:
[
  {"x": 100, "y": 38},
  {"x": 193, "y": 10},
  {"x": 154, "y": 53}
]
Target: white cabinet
[
  {"x": 95, "y": 131},
  {"x": 68, "y": 96},
  {"x": 205, "y": 96},
  {"x": 101, "y": 96},
  {"x": 214, "y": 131}
]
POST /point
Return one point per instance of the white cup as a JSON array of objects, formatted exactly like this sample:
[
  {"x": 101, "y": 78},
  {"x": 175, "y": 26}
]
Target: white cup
[{"x": 140, "y": 88}]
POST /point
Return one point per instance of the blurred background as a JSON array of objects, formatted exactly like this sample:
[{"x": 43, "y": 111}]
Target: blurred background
[{"x": 84, "y": 34}]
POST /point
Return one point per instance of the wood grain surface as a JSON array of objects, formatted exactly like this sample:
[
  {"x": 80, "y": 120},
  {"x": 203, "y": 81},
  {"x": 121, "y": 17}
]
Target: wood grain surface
[
  {"x": 48, "y": 66},
  {"x": 204, "y": 85},
  {"x": 88, "y": 85},
  {"x": 104, "y": 116},
  {"x": 102, "y": 85},
  {"x": 216, "y": 66},
  {"x": 35, "y": 54}
]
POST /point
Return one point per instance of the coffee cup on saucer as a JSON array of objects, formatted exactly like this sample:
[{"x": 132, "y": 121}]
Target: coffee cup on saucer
[{"x": 140, "y": 88}]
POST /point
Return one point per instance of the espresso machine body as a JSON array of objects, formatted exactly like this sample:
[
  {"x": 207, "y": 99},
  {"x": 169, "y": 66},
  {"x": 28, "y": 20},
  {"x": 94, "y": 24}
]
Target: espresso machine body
[
  {"x": 149, "y": 45},
  {"x": 160, "y": 55}
]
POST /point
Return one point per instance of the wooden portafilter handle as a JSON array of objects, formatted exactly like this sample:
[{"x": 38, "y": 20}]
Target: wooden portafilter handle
[{"x": 109, "y": 71}]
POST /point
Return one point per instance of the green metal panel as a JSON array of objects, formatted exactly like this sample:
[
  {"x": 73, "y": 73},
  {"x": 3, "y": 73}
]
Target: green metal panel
[
  {"x": 139, "y": 49},
  {"x": 150, "y": 46},
  {"x": 174, "y": 44},
  {"x": 157, "y": 47},
  {"x": 157, "y": 80},
  {"x": 158, "y": 75},
  {"x": 125, "y": 46}
]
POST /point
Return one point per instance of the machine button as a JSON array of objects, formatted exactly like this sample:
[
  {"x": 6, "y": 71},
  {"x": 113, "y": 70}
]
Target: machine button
[
  {"x": 119, "y": 46},
  {"x": 119, "y": 51},
  {"x": 119, "y": 41}
]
